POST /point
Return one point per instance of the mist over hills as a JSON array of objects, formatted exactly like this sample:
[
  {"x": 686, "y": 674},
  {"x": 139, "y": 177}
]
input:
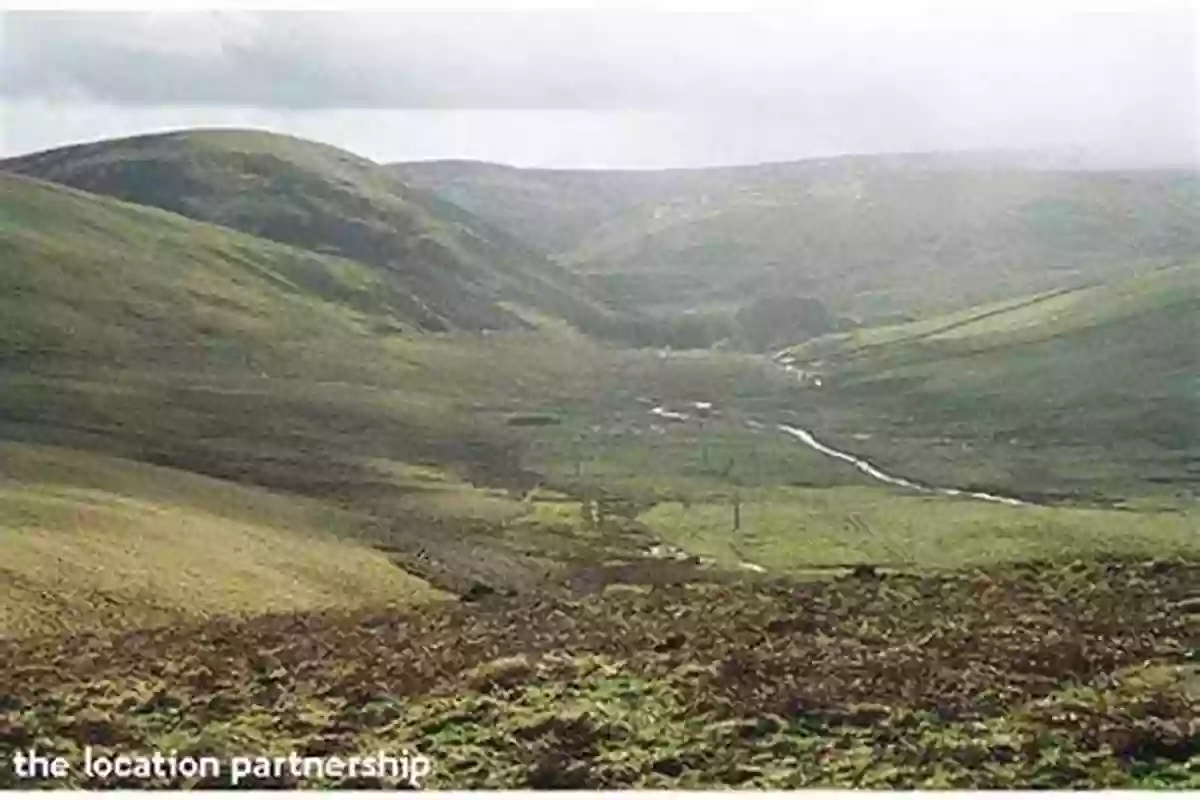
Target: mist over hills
[
  {"x": 871, "y": 236},
  {"x": 688, "y": 257}
]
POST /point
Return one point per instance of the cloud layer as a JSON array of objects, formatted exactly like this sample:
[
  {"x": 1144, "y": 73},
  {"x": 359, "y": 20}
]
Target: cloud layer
[{"x": 1126, "y": 80}]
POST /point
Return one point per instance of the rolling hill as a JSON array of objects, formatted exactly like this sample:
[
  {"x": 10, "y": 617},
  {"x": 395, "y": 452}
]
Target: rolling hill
[
  {"x": 136, "y": 333},
  {"x": 437, "y": 266},
  {"x": 873, "y": 237},
  {"x": 1098, "y": 383},
  {"x": 139, "y": 334},
  {"x": 88, "y": 279}
]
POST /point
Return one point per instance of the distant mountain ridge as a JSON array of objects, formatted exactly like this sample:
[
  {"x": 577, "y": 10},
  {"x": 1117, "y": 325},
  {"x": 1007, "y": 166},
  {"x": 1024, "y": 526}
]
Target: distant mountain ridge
[
  {"x": 462, "y": 245},
  {"x": 875, "y": 236}
]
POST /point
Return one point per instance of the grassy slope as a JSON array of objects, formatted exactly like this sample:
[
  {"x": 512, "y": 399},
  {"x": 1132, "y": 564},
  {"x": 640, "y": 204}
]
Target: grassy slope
[
  {"x": 436, "y": 264},
  {"x": 89, "y": 279},
  {"x": 872, "y": 235},
  {"x": 137, "y": 333},
  {"x": 121, "y": 324},
  {"x": 1099, "y": 382},
  {"x": 96, "y": 542},
  {"x": 798, "y": 530}
]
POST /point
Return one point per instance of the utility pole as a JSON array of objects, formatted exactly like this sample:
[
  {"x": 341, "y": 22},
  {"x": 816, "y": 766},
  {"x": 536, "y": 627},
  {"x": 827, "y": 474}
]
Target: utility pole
[{"x": 736, "y": 497}]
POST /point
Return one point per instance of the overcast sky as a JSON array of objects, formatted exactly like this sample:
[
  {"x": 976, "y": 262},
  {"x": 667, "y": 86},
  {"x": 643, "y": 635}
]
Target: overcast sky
[{"x": 633, "y": 90}]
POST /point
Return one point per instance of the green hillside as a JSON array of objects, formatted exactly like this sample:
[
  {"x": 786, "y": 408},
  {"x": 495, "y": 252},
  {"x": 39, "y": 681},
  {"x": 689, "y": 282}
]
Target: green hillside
[
  {"x": 89, "y": 279},
  {"x": 1093, "y": 377},
  {"x": 871, "y": 236},
  {"x": 136, "y": 333},
  {"x": 439, "y": 267}
]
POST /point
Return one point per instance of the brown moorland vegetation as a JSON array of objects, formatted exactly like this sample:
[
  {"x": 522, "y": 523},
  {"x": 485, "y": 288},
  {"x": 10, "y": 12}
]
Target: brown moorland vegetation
[{"x": 1033, "y": 675}]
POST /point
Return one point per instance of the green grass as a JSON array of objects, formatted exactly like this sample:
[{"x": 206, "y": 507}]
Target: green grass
[
  {"x": 90, "y": 279},
  {"x": 139, "y": 334},
  {"x": 435, "y": 265},
  {"x": 790, "y": 530},
  {"x": 634, "y": 455},
  {"x": 1085, "y": 392}
]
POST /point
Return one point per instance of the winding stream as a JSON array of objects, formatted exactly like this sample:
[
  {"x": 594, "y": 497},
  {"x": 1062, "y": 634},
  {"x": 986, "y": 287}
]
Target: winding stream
[{"x": 866, "y": 467}]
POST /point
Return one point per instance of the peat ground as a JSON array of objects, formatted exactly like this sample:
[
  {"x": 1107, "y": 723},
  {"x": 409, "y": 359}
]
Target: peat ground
[{"x": 1034, "y": 675}]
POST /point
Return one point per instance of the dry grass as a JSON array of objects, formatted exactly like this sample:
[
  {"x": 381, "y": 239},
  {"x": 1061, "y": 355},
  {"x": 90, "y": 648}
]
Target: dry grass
[{"x": 125, "y": 544}]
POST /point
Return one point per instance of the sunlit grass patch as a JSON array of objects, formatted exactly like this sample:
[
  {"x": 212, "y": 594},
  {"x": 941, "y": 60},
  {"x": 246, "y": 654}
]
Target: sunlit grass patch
[
  {"x": 795, "y": 528},
  {"x": 135, "y": 545}
]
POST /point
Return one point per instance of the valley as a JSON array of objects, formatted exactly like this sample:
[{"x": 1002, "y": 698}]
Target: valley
[{"x": 315, "y": 454}]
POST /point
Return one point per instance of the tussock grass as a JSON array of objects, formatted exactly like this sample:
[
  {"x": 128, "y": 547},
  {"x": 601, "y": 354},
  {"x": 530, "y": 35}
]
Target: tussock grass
[{"x": 1031, "y": 676}]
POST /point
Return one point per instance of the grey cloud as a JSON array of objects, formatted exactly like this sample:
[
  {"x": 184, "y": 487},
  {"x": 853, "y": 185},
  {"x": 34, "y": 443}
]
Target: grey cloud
[
  {"x": 304, "y": 60},
  {"x": 1126, "y": 81},
  {"x": 556, "y": 60}
]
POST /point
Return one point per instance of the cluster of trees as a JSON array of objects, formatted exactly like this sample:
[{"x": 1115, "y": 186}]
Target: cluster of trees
[{"x": 767, "y": 321}]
